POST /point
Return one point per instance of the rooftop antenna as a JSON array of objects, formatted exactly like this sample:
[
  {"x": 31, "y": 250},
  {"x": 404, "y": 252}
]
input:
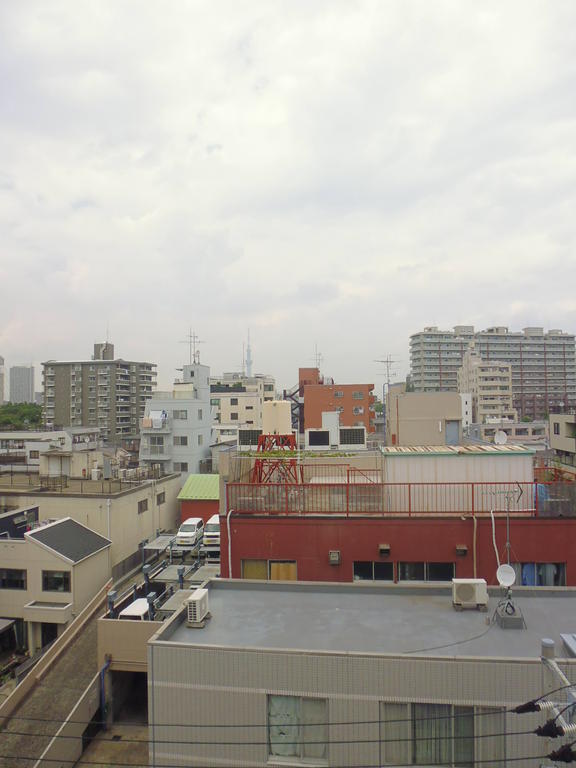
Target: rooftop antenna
[
  {"x": 318, "y": 356},
  {"x": 508, "y": 615},
  {"x": 193, "y": 340}
]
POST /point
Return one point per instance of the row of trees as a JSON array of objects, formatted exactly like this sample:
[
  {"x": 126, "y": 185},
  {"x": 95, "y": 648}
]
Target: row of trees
[{"x": 20, "y": 416}]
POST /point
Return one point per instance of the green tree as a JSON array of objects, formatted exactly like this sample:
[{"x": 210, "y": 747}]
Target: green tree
[{"x": 20, "y": 416}]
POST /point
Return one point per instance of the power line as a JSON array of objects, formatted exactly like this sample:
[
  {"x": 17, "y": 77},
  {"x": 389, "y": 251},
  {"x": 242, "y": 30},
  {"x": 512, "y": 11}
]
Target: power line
[
  {"x": 196, "y": 742},
  {"x": 108, "y": 764},
  {"x": 497, "y": 711}
]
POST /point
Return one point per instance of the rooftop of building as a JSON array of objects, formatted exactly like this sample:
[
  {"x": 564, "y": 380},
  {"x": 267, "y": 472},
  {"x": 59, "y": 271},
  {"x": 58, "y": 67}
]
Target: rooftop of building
[
  {"x": 69, "y": 539},
  {"x": 372, "y": 619},
  {"x": 200, "y": 488},
  {"x": 455, "y": 450},
  {"x": 31, "y": 483}
]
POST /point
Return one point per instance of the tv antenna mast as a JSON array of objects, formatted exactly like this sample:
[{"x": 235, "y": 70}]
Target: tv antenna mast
[{"x": 193, "y": 340}]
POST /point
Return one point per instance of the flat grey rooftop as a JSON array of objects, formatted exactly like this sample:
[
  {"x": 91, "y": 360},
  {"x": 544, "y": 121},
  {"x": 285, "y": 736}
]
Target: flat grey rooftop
[{"x": 373, "y": 619}]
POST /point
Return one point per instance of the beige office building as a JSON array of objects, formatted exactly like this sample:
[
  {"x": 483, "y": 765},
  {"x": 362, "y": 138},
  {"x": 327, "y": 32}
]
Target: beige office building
[
  {"x": 490, "y": 385},
  {"x": 103, "y": 392}
]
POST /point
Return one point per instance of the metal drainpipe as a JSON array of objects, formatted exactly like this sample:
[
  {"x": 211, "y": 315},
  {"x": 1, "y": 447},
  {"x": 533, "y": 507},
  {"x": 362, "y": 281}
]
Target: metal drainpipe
[
  {"x": 103, "y": 691},
  {"x": 475, "y": 532},
  {"x": 229, "y": 543}
]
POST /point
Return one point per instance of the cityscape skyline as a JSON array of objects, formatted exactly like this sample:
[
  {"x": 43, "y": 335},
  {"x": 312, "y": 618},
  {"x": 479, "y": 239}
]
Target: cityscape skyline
[{"x": 340, "y": 175}]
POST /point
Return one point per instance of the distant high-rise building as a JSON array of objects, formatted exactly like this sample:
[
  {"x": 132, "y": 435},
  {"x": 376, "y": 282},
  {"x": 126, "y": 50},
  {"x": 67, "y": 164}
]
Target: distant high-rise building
[
  {"x": 1, "y": 380},
  {"x": 22, "y": 384},
  {"x": 489, "y": 382},
  {"x": 103, "y": 392},
  {"x": 543, "y": 363}
]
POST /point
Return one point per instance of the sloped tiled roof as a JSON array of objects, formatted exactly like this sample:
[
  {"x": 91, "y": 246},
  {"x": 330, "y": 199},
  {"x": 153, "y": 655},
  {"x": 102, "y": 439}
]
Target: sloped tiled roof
[{"x": 70, "y": 539}]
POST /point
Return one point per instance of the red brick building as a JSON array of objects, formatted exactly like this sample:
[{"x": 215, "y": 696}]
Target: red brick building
[{"x": 354, "y": 402}]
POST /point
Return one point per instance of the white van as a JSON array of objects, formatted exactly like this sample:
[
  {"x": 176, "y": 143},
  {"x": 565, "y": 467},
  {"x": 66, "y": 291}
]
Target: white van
[
  {"x": 190, "y": 532},
  {"x": 212, "y": 532},
  {"x": 136, "y": 611}
]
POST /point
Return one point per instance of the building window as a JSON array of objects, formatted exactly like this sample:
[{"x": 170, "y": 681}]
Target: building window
[
  {"x": 199, "y": 414},
  {"x": 215, "y": 401},
  {"x": 160, "y": 498},
  {"x": 358, "y": 410},
  {"x": 249, "y": 407},
  {"x": 425, "y": 571},
  {"x": 338, "y": 393},
  {"x": 357, "y": 395},
  {"x": 200, "y": 439},
  {"x": 233, "y": 401},
  {"x": 180, "y": 440},
  {"x": 540, "y": 574},
  {"x": 56, "y": 581},
  {"x": 180, "y": 466},
  {"x": 34, "y": 454},
  {"x": 182, "y": 415},
  {"x": 366, "y": 570},
  {"x": 442, "y": 734},
  {"x": 12, "y": 578},
  {"x": 142, "y": 506},
  {"x": 556, "y": 428},
  {"x": 234, "y": 416},
  {"x": 297, "y": 727}
]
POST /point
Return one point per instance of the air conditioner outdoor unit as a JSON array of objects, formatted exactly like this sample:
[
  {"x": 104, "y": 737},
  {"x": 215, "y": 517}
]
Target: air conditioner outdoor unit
[
  {"x": 197, "y": 608},
  {"x": 334, "y": 557},
  {"x": 469, "y": 593}
]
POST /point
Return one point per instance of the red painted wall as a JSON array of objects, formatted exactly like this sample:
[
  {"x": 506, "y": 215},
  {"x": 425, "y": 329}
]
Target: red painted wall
[
  {"x": 204, "y": 509},
  {"x": 308, "y": 540}
]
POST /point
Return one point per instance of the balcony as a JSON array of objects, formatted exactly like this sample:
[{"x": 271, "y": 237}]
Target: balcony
[{"x": 149, "y": 426}]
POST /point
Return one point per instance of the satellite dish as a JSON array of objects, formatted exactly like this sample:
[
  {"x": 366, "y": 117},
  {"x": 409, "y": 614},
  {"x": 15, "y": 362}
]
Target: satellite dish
[
  {"x": 506, "y": 575},
  {"x": 500, "y": 438}
]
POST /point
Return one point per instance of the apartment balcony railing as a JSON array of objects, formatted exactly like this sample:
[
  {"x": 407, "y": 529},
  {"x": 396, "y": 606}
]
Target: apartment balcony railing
[{"x": 555, "y": 499}]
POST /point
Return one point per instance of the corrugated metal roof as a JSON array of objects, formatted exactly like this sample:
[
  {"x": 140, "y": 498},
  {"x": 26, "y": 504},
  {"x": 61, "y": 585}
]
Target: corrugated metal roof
[
  {"x": 201, "y": 487},
  {"x": 455, "y": 450}
]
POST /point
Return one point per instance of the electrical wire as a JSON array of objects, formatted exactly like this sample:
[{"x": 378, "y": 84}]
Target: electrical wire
[
  {"x": 450, "y": 645},
  {"x": 497, "y": 711},
  {"x": 108, "y": 764},
  {"x": 196, "y": 742}
]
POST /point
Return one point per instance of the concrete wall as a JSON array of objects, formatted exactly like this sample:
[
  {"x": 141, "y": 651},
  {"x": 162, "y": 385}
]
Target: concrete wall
[
  {"x": 125, "y": 642},
  {"x": 230, "y": 686},
  {"x": 308, "y": 540},
  {"x": 119, "y": 521},
  {"x": 419, "y": 418},
  {"x": 565, "y": 425}
]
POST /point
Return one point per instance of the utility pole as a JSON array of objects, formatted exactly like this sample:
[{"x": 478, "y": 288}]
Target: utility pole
[{"x": 388, "y": 361}]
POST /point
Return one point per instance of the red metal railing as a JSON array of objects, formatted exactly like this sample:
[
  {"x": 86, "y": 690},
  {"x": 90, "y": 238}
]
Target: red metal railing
[{"x": 556, "y": 499}]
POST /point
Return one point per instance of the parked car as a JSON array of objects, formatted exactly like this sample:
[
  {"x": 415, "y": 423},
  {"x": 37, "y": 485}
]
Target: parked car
[
  {"x": 212, "y": 532},
  {"x": 190, "y": 532}
]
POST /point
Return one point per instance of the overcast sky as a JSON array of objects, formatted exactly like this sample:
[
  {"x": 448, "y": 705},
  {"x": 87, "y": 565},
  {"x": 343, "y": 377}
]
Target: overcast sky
[{"x": 330, "y": 172}]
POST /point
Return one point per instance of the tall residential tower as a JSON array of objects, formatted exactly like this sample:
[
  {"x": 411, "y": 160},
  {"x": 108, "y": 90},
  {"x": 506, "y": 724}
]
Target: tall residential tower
[
  {"x": 103, "y": 392},
  {"x": 543, "y": 363}
]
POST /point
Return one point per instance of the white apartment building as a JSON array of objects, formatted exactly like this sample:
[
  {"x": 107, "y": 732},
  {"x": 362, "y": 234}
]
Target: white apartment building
[
  {"x": 23, "y": 450},
  {"x": 543, "y": 363},
  {"x": 237, "y": 402},
  {"x": 175, "y": 430},
  {"x": 490, "y": 384}
]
